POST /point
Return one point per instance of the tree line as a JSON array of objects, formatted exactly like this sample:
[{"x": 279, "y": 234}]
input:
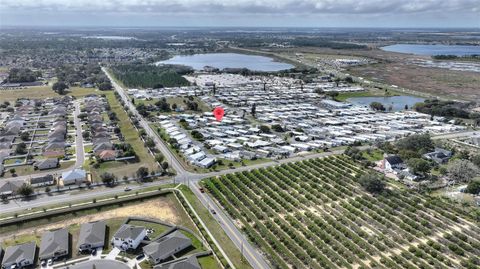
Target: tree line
[{"x": 151, "y": 76}]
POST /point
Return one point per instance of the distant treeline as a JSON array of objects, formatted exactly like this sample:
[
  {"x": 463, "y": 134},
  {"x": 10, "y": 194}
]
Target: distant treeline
[
  {"x": 446, "y": 109},
  {"x": 151, "y": 76},
  {"x": 299, "y": 41},
  {"x": 455, "y": 57},
  {"x": 18, "y": 75},
  {"x": 248, "y": 72}
]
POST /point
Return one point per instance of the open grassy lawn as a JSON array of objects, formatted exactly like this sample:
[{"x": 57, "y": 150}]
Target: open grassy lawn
[
  {"x": 208, "y": 262},
  {"x": 373, "y": 155},
  {"x": 217, "y": 231},
  {"x": 23, "y": 170},
  {"x": 132, "y": 137},
  {"x": 42, "y": 92}
]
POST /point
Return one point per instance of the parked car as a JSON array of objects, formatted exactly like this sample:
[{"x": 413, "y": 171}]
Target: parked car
[{"x": 139, "y": 257}]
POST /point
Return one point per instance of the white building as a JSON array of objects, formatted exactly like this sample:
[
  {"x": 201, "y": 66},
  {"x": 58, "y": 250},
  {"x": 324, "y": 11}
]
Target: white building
[{"x": 128, "y": 237}]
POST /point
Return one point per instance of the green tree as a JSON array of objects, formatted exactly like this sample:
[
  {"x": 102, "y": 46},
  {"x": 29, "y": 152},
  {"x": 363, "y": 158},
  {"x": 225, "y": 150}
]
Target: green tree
[
  {"x": 264, "y": 129},
  {"x": 21, "y": 148},
  {"x": 108, "y": 178},
  {"x": 164, "y": 166},
  {"x": 372, "y": 183},
  {"x": 59, "y": 87},
  {"x": 105, "y": 86},
  {"x": 419, "y": 166},
  {"x": 420, "y": 143},
  {"x": 25, "y": 190},
  {"x": 473, "y": 187},
  {"x": 377, "y": 106},
  {"x": 24, "y": 136},
  {"x": 476, "y": 160},
  {"x": 142, "y": 172},
  {"x": 159, "y": 158}
]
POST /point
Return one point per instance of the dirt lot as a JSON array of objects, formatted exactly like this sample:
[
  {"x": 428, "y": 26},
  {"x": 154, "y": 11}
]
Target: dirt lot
[{"x": 164, "y": 208}]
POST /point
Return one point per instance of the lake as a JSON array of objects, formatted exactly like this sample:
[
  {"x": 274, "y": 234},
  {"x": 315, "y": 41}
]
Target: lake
[
  {"x": 398, "y": 102},
  {"x": 228, "y": 60},
  {"x": 458, "y": 50}
]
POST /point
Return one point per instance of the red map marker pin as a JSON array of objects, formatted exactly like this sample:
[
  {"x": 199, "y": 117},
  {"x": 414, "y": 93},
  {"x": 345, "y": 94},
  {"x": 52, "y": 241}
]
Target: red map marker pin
[{"x": 218, "y": 112}]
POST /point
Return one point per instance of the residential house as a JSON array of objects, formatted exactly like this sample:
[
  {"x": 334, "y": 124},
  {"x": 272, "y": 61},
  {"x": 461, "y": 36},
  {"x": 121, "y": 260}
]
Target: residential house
[
  {"x": 392, "y": 163},
  {"x": 107, "y": 155},
  {"x": 54, "y": 244},
  {"x": 128, "y": 236},
  {"x": 439, "y": 156},
  {"x": 46, "y": 164},
  {"x": 54, "y": 149},
  {"x": 206, "y": 162},
  {"x": 46, "y": 180},
  {"x": 92, "y": 236},
  {"x": 102, "y": 146},
  {"x": 165, "y": 247},
  {"x": 20, "y": 256},
  {"x": 188, "y": 263},
  {"x": 10, "y": 187},
  {"x": 75, "y": 176},
  {"x": 99, "y": 264}
]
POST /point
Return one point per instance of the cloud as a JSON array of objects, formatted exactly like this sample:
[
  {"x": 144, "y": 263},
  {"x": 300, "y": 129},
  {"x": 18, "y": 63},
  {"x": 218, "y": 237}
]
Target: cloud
[{"x": 269, "y": 7}]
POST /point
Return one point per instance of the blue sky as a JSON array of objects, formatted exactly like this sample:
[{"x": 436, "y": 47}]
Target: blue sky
[{"x": 271, "y": 13}]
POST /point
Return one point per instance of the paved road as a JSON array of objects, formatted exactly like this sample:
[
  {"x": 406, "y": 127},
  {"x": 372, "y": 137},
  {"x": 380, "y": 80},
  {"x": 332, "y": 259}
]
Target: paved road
[
  {"x": 174, "y": 163},
  {"x": 253, "y": 256},
  {"x": 79, "y": 151}
]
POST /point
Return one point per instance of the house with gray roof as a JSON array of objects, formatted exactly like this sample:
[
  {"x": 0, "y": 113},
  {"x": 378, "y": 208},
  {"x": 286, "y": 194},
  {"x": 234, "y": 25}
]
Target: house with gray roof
[
  {"x": 129, "y": 236},
  {"x": 188, "y": 263},
  {"x": 439, "y": 156},
  {"x": 42, "y": 181},
  {"x": 46, "y": 164},
  {"x": 166, "y": 246},
  {"x": 92, "y": 236},
  {"x": 99, "y": 264},
  {"x": 75, "y": 176},
  {"x": 19, "y": 256},
  {"x": 10, "y": 187},
  {"x": 54, "y": 244}
]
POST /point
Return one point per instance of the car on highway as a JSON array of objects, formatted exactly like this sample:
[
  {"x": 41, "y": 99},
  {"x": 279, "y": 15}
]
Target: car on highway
[
  {"x": 213, "y": 211},
  {"x": 127, "y": 189}
]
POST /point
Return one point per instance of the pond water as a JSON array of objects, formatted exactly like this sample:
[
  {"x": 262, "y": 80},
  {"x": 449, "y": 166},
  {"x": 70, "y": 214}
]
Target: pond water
[
  {"x": 458, "y": 50},
  {"x": 228, "y": 60},
  {"x": 397, "y": 102}
]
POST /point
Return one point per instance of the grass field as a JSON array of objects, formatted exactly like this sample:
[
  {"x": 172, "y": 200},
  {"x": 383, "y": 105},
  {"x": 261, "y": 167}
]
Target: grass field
[
  {"x": 42, "y": 92},
  {"x": 314, "y": 214},
  {"x": 132, "y": 137}
]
